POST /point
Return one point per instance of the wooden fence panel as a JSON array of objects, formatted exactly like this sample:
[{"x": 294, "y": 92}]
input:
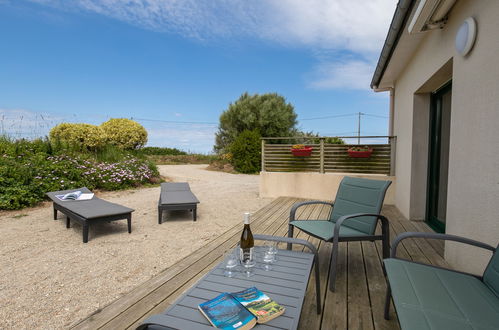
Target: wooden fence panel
[{"x": 335, "y": 158}]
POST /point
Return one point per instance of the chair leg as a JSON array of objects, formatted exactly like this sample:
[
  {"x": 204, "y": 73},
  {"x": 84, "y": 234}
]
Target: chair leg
[
  {"x": 386, "y": 242},
  {"x": 290, "y": 234},
  {"x": 159, "y": 215},
  {"x": 387, "y": 301},
  {"x": 318, "y": 286},
  {"x": 194, "y": 213},
  {"x": 332, "y": 269},
  {"x": 68, "y": 225},
  {"x": 129, "y": 223}
]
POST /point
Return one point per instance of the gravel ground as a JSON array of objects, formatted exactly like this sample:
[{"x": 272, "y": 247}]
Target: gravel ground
[{"x": 49, "y": 279}]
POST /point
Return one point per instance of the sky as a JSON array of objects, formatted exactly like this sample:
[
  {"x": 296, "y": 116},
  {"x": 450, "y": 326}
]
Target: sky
[{"x": 175, "y": 66}]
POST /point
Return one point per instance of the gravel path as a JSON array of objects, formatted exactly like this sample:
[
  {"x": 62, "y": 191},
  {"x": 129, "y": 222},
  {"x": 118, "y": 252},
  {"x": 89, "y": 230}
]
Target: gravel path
[{"x": 49, "y": 279}]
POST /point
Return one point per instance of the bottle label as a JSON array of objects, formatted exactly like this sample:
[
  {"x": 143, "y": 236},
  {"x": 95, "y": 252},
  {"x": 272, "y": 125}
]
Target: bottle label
[{"x": 246, "y": 254}]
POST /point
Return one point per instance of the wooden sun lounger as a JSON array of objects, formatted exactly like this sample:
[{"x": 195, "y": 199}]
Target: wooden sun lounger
[
  {"x": 176, "y": 196},
  {"x": 87, "y": 211}
]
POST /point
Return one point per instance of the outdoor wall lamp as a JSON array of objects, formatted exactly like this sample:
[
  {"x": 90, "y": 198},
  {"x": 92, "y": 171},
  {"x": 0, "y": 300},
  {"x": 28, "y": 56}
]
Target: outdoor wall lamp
[{"x": 465, "y": 36}]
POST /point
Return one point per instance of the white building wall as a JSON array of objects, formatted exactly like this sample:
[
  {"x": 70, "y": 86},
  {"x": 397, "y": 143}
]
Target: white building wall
[{"x": 473, "y": 191}]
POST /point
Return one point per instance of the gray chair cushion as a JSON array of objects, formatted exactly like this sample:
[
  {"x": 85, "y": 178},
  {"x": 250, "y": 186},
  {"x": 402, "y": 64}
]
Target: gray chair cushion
[
  {"x": 491, "y": 274},
  {"x": 89, "y": 209},
  {"x": 176, "y": 193},
  {"x": 358, "y": 195},
  {"x": 427, "y": 297}
]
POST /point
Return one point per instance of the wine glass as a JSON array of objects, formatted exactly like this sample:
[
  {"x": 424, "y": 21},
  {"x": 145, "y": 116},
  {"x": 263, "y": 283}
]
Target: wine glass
[
  {"x": 268, "y": 259},
  {"x": 231, "y": 262},
  {"x": 248, "y": 263},
  {"x": 271, "y": 248}
]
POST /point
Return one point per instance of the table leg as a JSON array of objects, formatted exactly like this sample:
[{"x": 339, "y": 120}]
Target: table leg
[{"x": 85, "y": 232}]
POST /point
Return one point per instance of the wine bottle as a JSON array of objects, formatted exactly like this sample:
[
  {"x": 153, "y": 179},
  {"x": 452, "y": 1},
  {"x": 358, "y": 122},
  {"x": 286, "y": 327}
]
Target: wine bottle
[{"x": 247, "y": 242}]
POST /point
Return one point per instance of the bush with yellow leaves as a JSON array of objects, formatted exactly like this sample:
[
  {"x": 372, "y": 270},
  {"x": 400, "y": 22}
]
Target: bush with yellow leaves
[
  {"x": 124, "y": 133},
  {"x": 79, "y": 136}
]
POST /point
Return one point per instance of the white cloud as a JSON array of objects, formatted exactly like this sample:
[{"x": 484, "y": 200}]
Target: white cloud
[
  {"x": 354, "y": 74},
  {"x": 194, "y": 138},
  {"x": 351, "y": 26},
  {"x": 356, "y": 25},
  {"x": 22, "y": 123}
]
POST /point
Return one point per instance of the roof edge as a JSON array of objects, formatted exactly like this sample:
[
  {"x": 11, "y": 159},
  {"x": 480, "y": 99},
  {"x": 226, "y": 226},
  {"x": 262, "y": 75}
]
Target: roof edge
[{"x": 400, "y": 17}]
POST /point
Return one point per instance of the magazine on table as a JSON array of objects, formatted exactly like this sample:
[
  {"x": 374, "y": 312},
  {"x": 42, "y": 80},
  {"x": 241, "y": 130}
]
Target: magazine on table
[
  {"x": 240, "y": 310},
  {"x": 75, "y": 196}
]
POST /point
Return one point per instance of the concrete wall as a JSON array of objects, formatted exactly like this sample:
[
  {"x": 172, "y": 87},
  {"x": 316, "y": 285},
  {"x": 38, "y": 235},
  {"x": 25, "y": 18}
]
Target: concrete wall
[
  {"x": 473, "y": 190},
  {"x": 312, "y": 185}
]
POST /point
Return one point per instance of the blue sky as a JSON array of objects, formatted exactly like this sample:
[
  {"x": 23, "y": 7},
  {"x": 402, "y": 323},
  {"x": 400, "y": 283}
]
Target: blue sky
[{"x": 178, "y": 62}]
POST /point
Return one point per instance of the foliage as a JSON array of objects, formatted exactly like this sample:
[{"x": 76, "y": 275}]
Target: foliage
[
  {"x": 246, "y": 152},
  {"x": 364, "y": 148},
  {"x": 298, "y": 146},
  {"x": 181, "y": 159},
  {"x": 78, "y": 136},
  {"x": 162, "y": 151},
  {"x": 269, "y": 114},
  {"x": 29, "y": 169},
  {"x": 124, "y": 133},
  {"x": 312, "y": 138},
  {"x": 334, "y": 140}
]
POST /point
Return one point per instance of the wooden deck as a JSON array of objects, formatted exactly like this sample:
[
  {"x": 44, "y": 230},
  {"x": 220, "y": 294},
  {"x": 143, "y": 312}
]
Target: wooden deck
[{"x": 360, "y": 285}]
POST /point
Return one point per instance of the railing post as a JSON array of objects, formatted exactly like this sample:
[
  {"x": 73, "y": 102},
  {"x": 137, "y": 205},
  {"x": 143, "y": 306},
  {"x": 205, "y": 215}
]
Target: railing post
[
  {"x": 393, "y": 151},
  {"x": 322, "y": 155},
  {"x": 263, "y": 155}
]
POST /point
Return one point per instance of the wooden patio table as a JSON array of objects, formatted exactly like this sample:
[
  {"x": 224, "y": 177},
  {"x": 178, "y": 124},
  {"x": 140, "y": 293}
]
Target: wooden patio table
[{"x": 286, "y": 283}]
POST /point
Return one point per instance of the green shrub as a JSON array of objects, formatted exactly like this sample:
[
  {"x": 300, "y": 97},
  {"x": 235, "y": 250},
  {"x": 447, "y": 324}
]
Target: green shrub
[
  {"x": 80, "y": 137},
  {"x": 28, "y": 171},
  {"x": 162, "y": 151},
  {"x": 124, "y": 133},
  {"x": 246, "y": 152}
]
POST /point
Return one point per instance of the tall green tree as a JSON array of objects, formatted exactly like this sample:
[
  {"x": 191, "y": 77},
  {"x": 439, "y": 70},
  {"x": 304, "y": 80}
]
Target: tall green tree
[{"x": 269, "y": 114}]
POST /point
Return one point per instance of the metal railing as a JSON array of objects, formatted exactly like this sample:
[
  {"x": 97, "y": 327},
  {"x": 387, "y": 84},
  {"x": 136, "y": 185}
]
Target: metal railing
[{"x": 328, "y": 157}]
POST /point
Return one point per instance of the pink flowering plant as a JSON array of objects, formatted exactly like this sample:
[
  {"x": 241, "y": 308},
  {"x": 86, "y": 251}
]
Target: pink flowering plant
[{"x": 26, "y": 174}]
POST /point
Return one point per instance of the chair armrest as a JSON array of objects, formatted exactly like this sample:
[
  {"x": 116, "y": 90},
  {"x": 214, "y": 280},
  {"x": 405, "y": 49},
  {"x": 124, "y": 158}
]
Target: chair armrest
[
  {"x": 446, "y": 237},
  {"x": 287, "y": 240},
  {"x": 384, "y": 220},
  {"x": 292, "y": 213}
]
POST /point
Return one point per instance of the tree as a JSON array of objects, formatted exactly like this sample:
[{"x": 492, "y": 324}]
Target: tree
[
  {"x": 269, "y": 114},
  {"x": 246, "y": 152}
]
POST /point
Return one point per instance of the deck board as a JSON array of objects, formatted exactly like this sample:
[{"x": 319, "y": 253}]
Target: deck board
[{"x": 360, "y": 285}]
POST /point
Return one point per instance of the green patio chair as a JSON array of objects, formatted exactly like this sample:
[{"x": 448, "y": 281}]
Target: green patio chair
[{"x": 354, "y": 216}]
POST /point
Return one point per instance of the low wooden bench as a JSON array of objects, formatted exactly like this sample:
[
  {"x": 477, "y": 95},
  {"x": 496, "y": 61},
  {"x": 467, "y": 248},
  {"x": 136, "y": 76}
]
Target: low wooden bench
[
  {"x": 430, "y": 297},
  {"x": 176, "y": 196},
  {"x": 87, "y": 211}
]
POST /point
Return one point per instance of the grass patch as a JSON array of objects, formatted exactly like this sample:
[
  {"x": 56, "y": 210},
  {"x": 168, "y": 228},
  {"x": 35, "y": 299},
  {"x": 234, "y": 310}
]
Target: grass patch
[
  {"x": 181, "y": 159},
  {"x": 18, "y": 216}
]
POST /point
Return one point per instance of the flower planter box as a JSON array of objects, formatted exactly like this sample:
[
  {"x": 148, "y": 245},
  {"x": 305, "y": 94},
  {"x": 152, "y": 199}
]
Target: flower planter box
[
  {"x": 303, "y": 152},
  {"x": 360, "y": 154}
]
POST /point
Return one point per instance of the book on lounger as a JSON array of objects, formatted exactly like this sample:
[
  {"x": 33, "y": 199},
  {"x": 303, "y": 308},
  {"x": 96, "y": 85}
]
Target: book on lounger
[
  {"x": 75, "y": 196},
  {"x": 240, "y": 310}
]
